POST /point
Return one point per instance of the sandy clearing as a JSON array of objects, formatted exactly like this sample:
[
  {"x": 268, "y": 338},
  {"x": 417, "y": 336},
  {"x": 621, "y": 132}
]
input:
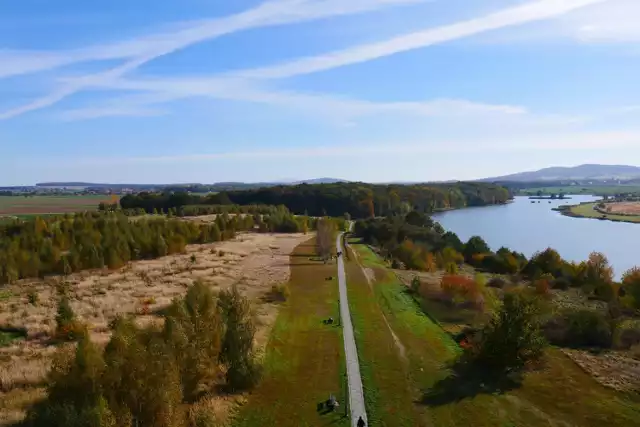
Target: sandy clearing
[{"x": 254, "y": 261}]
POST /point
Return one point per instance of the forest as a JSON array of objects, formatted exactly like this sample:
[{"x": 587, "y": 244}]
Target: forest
[
  {"x": 69, "y": 243},
  {"x": 359, "y": 200}
]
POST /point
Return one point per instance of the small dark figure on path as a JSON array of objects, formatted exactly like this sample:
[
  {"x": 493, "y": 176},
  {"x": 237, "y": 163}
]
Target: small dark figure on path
[{"x": 361, "y": 422}]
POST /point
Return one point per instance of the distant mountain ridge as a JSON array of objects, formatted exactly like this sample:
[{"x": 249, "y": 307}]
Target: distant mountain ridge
[
  {"x": 70, "y": 184},
  {"x": 582, "y": 172}
]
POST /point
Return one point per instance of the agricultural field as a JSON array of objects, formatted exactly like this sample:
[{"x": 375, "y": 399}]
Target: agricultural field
[
  {"x": 625, "y": 211},
  {"x": 422, "y": 393},
  {"x": 256, "y": 262},
  {"x": 21, "y": 206},
  {"x": 595, "y": 190}
]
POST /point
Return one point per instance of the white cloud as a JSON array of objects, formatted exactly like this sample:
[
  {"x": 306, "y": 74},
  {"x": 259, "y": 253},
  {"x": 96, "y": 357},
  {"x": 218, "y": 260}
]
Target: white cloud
[
  {"x": 159, "y": 91},
  {"x": 427, "y": 145},
  {"x": 615, "y": 21},
  {"x": 529, "y": 12},
  {"x": 148, "y": 48}
]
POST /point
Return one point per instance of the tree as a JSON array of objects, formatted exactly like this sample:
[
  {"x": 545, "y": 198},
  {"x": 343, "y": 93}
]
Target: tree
[
  {"x": 193, "y": 328},
  {"x": 475, "y": 246},
  {"x": 631, "y": 285},
  {"x": 324, "y": 239},
  {"x": 237, "y": 342},
  {"x": 75, "y": 392},
  {"x": 513, "y": 337}
]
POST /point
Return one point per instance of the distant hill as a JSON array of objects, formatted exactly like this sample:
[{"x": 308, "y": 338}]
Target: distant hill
[
  {"x": 578, "y": 173},
  {"x": 218, "y": 186}
]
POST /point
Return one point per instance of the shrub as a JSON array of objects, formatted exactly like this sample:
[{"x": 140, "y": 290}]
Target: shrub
[
  {"x": 561, "y": 283},
  {"x": 415, "y": 285},
  {"x": 497, "y": 282},
  {"x": 449, "y": 254},
  {"x": 280, "y": 292},
  {"x": 221, "y": 253},
  {"x": 542, "y": 288},
  {"x": 461, "y": 289},
  {"x": 588, "y": 328},
  {"x": 627, "y": 337},
  {"x": 451, "y": 268},
  {"x": 32, "y": 296},
  {"x": 513, "y": 338}
]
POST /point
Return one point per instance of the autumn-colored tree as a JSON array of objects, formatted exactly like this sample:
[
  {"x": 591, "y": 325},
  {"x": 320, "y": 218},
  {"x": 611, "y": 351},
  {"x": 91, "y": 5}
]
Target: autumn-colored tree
[
  {"x": 513, "y": 338},
  {"x": 631, "y": 286},
  {"x": 326, "y": 230},
  {"x": 237, "y": 351}
]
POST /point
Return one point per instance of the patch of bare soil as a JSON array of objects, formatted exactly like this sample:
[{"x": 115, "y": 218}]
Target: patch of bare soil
[
  {"x": 610, "y": 369},
  {"x": 624, "y": 208},
  {"x": 255, "y": 262}
]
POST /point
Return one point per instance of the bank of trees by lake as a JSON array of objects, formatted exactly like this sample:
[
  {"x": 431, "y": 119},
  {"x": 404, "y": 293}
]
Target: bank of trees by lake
[
  {"x": 359, "y": 200},
  {"x": 598, "y": 311}
]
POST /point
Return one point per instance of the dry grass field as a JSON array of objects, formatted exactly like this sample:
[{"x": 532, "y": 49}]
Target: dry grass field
[
  {"x": 625, "y": 208},
  {"x": 254, "y": 261}
]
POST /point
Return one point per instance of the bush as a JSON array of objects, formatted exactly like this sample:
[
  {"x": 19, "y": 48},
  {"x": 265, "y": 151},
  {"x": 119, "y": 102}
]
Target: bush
[
  {"x": 513, "y": 338},
  {"x": 542, "y": 288},
  {"x": 561, "y": 283},
  {"x": 497, "y": 282},
  {"x": 415, "y": 285},
  {"x": 280, "y": 292},
  {"x": 588, "y": 328},
  {"x": 460, "y": 290},
  {"x": 451, "y": 268},
  {"x": 32, "y": 296},
  {"x": 627, "y": 337}
]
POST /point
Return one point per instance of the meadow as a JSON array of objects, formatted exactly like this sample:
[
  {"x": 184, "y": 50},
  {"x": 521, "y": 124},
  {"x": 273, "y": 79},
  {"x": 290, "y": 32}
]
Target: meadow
[
  {"x": 29, "y": 206},
  {"x": 587, "y": 210}
]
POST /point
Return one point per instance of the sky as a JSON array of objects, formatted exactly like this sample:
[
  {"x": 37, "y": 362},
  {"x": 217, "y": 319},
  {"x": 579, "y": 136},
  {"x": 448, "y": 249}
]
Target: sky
[{"x": 206, "y": 91}]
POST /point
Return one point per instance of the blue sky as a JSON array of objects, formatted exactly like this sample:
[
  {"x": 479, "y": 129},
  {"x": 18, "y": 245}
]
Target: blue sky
[{"x": 375, "y": 90}]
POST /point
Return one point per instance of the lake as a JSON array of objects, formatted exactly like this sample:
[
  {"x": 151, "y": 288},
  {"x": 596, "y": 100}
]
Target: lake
[{"x": 529, "y": 227}]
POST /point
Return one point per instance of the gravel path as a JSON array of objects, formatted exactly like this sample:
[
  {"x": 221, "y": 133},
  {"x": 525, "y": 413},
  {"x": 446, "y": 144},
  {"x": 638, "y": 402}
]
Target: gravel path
[{"x": 356, "y": 393}]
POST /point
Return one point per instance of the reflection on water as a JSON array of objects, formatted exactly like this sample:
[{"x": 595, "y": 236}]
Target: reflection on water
[{"x": 529, "y": 227}]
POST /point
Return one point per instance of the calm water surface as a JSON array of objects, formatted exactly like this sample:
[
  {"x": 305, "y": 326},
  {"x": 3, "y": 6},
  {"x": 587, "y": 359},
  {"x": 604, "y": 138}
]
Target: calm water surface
[{"x": 529, "y": 227}]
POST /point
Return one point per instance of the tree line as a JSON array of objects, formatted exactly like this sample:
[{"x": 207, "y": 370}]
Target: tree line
[
  {"x": 359, "y": 200},
  {"x": 70, "y": 243}
]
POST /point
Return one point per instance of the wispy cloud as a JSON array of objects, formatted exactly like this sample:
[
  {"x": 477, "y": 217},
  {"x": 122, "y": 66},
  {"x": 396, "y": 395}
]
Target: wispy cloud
[
  {"x": 145, "y": 49},
  {"x": 427, "y": 145},
  {"x": 159, "y": 91},
  {"x": 218, "y": 86},
  {"x": 530, "y": 12}
]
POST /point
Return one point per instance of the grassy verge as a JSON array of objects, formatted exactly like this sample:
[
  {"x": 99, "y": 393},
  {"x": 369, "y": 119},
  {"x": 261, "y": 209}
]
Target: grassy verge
[
  {"x": 389, "y": 394},
  {"x": 304, "y": 362},
  {"x": 587, "y": 210},
  {"x": 558, "y": 394}
]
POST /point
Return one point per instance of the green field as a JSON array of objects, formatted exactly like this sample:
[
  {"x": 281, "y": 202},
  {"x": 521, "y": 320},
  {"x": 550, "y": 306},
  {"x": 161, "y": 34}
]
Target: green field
[
  {"x": 25, "y": 207},
  {"x": 586, "y": 210},
  {"x": 596, "y": 190},
  {"x": 304, "y": 362},
  {"x": 559, "y": 394}
]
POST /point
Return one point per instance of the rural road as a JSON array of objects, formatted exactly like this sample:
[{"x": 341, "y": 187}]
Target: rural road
[{"x": 356, "y": 394}]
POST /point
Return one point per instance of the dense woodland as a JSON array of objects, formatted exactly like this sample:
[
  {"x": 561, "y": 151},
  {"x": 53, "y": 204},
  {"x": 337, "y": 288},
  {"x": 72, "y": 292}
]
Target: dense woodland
[
  {"x": 359, "y": 200},
  {"x": 69, "y": 243}
]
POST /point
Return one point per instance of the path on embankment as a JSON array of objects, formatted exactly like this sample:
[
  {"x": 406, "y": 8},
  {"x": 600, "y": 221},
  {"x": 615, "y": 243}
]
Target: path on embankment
[{"x": 356, "y": 393}]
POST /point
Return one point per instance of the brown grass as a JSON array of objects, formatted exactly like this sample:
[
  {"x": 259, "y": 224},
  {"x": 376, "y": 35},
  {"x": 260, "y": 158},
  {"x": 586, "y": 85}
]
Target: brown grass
[{"x": 255, "y": 261}]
